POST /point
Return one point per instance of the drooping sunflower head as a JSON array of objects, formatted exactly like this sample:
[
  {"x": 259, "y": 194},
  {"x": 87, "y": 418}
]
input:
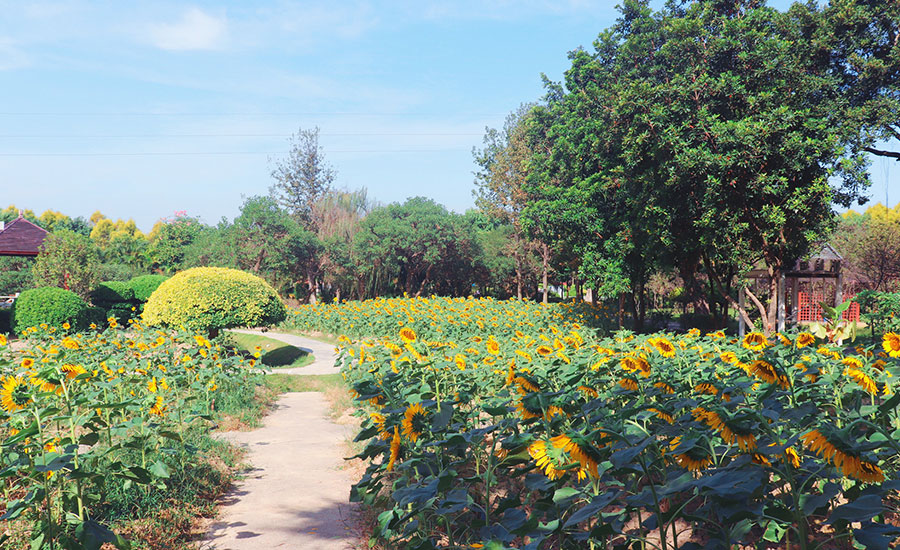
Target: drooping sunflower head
[
  {"x": 548, "y": 458},
  {"x": 755, "y": 341},
  {"x": 14, "y": 394},
  {"x": 805, "y": 339},
  {"x": 415, "y": 422}
]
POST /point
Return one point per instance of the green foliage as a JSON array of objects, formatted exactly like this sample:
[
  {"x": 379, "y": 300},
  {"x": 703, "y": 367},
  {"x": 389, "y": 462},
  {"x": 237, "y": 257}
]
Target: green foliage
[
  {"x": 112, "y": 292},
  {"x": 52, "y": 306},
  {"x": 213, "y": 298},
  {"x": 881, "y": 310},
  {"x": 170, "y": 240},
  {"x": 269, "y": 243},
  {"x": 15, "y": 274},
  {"x": 694, "y": 136},
  {"x": 144, "y": 285},
  {"x": 416, "y": 247},
  {"x": 67, "y": 260}
]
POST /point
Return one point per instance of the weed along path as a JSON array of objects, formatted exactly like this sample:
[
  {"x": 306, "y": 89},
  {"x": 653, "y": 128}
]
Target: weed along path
[{"x": 296, "y": 493}]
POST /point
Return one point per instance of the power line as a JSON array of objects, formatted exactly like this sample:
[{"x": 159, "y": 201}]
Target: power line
[
  {"x": 123, "y": 136},
  {"x": 223, "y": 153},
  {"x": 188, "y": 114}
]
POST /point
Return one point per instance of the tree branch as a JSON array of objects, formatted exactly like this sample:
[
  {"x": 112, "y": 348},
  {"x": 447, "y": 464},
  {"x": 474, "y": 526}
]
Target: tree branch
[{"x": 880, "y": 153}]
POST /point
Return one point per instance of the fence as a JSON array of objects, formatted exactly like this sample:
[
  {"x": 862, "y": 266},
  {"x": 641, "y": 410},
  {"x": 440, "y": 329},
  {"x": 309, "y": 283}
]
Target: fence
[{"x": 809, "y": 310}]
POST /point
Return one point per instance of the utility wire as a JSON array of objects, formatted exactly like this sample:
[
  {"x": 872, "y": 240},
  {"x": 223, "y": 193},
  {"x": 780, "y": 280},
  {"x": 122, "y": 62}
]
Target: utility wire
[
  {"x": 223, "y": 153},
  {"x": 121, "y": 136}
]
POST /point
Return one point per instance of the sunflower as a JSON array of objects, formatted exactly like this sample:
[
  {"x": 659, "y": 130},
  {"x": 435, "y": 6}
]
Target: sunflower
[
  {"x": 71, "y": 371},
  {"x": 525, "y": 385},
  {"x": 460, "y": 361},
  {"x": 729, "y": 357},
  {"x": 694, "y": 332},
  {"x": 27, "y": 363},
  {"x": 414, "y": 421},
  {"x": 791, "y": 456},
  {"x": 706, "y": 388},
  {"x": 544, "y": 351},
  {"x": 492, "y": 346},
  {"x": 663, "y": 415},
  {"x": 694, "y": 462},
  {"x": 527, "y": 411},
  {"x": 755, "y": 341},
  {"x": 663, "y": 346},
  {"x": 590, "y": 392},
  {"x": 805, "y": 339},
  {"x": 580, "y": 452},
  {"x": 666, "y": 388},
  {"x": 70, "y": 343},
  {"x": 395, "y": 449},
  {"x": 408, "y": 335},
  {"x": 629, "y": 384},
  {"x": 891, "y": 344},
  {"x": 14, "y": 394},
  {"x": 862, "y": 379},
  {"x": 744, "y": 439},
  {"x": 767, "y": 373},
  {"x": 2, "y": 339},
  {"x": 547, "y": 457}
]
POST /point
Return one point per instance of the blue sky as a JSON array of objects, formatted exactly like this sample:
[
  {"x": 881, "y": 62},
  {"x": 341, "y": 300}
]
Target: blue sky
[{"x": 140, "y": 109}]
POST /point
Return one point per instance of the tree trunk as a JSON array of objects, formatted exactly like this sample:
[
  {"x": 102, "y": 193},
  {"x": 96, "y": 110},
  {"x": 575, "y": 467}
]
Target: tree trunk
[
  {"x": 621, "y": 309},
  {"x": 546, "y": 261},
  {"x": 695, "y": 294}
]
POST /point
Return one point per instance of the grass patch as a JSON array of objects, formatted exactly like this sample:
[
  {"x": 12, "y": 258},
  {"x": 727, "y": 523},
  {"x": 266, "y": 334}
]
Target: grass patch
[
  {"x": 275, "y": 354},
  {"x": 283, "y": 383},
  {"x": 313, "y": 335}
]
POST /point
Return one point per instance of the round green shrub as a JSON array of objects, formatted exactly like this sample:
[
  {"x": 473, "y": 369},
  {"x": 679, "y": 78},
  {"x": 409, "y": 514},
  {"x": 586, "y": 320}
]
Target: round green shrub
[
  {"x": 212, "y": 298},
  {"x": 51, "y": 305},
  {"x": 95, "y": 315},
  {"x": 111, "y": 293},
  {"x": 144, "y": 285}
]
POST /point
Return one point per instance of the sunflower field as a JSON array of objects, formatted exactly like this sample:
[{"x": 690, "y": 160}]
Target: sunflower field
[
  {"x": 110, "y": 411},
  {"x": 507, "y": 425}
]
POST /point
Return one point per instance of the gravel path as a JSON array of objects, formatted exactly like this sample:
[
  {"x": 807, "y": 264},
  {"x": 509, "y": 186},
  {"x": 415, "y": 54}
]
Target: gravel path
[{"x": 296, "y": 495}]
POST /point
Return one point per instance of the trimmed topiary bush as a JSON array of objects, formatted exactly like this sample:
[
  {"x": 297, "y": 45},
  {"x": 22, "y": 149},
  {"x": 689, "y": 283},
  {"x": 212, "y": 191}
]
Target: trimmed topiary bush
[
  {"x": 213, "y": 298},
  {"x": 112, "y": 292},
  {"x": 116, "y": 298},
  {"x": 144, "y": 285},
  {"x": 51, "y": 305}
]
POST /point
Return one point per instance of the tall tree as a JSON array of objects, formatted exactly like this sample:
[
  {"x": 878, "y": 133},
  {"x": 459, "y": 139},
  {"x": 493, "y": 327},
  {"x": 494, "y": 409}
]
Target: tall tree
[
  {"x": 703, "y": 133},
  {"x": 500, "y": 188},
  {"x": 338, "y": 215},
  {"x": 303, "y": 177}
]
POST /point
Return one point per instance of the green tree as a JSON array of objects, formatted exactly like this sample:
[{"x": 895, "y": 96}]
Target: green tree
[
  {"x": 270, "y": 244},
  {"x": 169, "y": 241},
  {"x": 338, "y": 215},
  {"x": 303, "y": 177},
  {"x": 501, "y": 191},
  {"x": 413, "y": 247},
  {"x": 699, "y": 136},
  {"x": 67, "y": 260}
]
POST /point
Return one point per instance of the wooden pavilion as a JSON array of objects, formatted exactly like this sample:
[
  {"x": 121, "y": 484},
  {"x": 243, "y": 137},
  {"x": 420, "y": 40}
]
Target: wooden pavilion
[
  {"x": 20, "y": 237},
  {"x": 802, "y": 288}
]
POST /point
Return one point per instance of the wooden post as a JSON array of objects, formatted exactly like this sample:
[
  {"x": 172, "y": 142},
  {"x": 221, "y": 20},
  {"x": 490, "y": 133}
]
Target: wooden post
[
  {"x": 839, "y": 287},
  {"x": 780, "y": 305},
  {"x": 795, "y": 299},
  {"x": 742, "y": 327}
]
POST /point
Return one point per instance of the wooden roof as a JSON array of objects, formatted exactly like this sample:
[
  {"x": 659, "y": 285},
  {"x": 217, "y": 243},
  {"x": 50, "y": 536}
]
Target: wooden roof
[
  {"x": 20, "y": 237},
  {"x": 826, "y": 263}
]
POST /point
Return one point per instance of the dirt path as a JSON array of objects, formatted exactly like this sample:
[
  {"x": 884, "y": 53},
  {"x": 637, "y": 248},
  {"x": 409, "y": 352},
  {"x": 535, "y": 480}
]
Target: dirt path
[{"x": 296, "y": 495}]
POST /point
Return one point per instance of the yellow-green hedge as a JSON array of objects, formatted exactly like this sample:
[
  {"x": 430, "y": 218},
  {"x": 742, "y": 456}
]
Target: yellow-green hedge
[{"x": 211, "y": 298}]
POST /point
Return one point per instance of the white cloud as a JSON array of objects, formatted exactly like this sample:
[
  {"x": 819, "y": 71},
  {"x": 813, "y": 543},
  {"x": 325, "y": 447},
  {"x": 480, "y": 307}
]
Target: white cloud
[
  {"x": 196, "y": 30},
  {"x": 11, "y": 57}
]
